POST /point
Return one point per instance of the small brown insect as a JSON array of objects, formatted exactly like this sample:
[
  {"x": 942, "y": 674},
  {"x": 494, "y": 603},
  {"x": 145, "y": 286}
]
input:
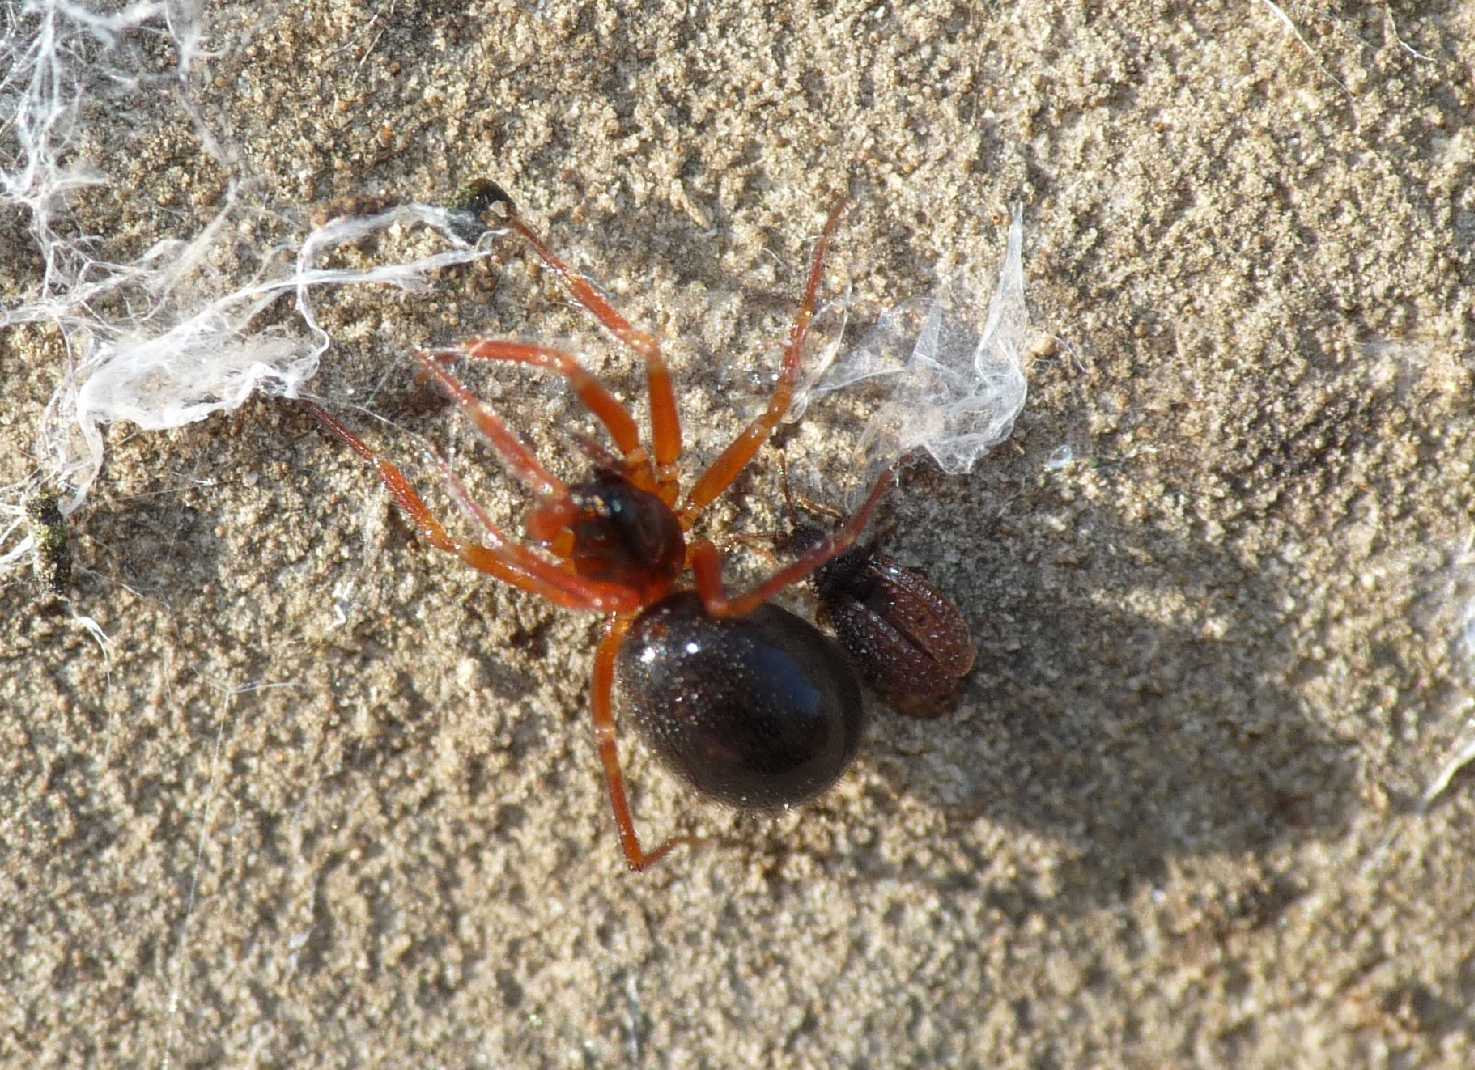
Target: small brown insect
[{"x": 905, "y": 638}]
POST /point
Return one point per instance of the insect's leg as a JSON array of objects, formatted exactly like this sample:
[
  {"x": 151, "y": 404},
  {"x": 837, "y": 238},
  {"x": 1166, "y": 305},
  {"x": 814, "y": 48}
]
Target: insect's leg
[
  {"x": 719, "y": 476},
  {"x": 636, "y": 857},
  {"x": 799, "y": 501},
  {"x": 706, "y": 562},
  {"x": 501, "y": 557},
  {"x": 665, "y": 424}
]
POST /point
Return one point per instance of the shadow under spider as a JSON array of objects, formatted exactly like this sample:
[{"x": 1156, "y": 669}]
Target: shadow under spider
[{"x": 1128, "y": 740}]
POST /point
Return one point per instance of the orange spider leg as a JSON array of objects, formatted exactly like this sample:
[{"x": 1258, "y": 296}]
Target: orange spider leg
[
  {"x": 665, "y": 424},
  {"x": 502, "y": 558},
  {"x": 614, "y": 416},
  {"x": 636, "y": 857},
  {"x": 735, "y": 458},
  {"x": 706, "y": 562},
  {"x": 518, "y": 458}
]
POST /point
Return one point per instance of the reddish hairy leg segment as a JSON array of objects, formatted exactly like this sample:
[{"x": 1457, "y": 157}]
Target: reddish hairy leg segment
[
  {"x": 616, "y": 419},
  {"x": 518, "y": 458},
  {"x": 500, "y": 557},
  {"x": 665, "y": 424},
  {"x": 735, "y": 458},
  {"x": 636, "y": 857},
  {"x": 706, "y": 561}
]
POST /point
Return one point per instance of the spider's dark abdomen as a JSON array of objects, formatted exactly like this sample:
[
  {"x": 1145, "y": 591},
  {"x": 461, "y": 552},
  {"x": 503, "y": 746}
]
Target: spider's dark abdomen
[{"x": 756, "y": 711}]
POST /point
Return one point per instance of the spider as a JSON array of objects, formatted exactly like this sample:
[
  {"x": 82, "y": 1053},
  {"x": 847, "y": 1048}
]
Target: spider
[{"x": 747, "y": 702}]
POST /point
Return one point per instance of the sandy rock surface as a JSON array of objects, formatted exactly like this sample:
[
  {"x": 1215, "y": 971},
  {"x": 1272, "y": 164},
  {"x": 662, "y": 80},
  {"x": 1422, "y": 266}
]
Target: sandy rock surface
[{"x": 331, "y": 799}]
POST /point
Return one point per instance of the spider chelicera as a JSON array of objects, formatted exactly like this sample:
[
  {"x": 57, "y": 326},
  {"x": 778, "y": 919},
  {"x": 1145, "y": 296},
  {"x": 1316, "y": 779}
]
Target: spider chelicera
[{"x": 747, "y": 702}]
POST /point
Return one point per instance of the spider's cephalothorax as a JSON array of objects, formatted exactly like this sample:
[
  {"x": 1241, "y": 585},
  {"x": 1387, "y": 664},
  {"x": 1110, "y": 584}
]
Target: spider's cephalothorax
[
  {"x": 749, "y": 703},
  {"x": 623, "y": 534}
]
